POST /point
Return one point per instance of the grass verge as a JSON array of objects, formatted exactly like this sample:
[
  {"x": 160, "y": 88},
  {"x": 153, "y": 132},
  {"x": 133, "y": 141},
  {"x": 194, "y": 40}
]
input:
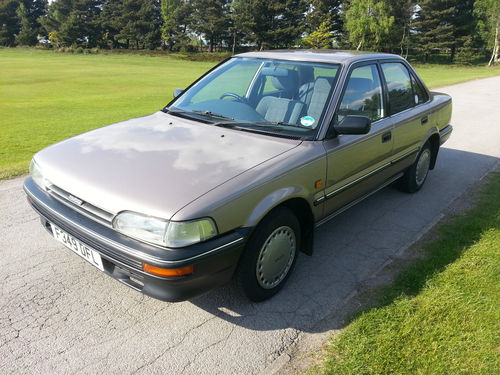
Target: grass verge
[
  {"x": 442, "y": 314},
  {"x": 47, "y": 96}
]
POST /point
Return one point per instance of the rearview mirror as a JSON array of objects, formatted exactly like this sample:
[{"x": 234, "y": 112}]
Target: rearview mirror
[
  {"x": 177, "y": 92},
  {"x": 353, "y": 125}
]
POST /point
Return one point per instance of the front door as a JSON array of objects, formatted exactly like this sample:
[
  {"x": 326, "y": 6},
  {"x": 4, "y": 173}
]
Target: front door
[{"x": 356, "y": 164}]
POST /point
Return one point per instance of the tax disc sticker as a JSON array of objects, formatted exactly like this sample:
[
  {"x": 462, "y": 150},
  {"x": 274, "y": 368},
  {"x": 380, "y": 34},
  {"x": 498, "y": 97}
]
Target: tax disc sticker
[{"x": 307, "y": 121}]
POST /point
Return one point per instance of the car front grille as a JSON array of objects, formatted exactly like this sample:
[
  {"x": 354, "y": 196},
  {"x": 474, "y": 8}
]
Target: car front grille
[{"x": 85, "y": 208}]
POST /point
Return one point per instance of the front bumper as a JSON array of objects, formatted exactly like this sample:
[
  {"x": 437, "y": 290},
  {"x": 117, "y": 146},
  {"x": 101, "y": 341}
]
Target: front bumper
[{"x": 214, "y": 261}]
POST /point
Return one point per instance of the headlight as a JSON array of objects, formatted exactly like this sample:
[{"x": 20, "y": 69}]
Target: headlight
[
  {"x": 162, "y": 232},
  {"x": 141, "y": 227},
  {"x": 37, "y": 175},
  {"x": 184, "y": 233}
]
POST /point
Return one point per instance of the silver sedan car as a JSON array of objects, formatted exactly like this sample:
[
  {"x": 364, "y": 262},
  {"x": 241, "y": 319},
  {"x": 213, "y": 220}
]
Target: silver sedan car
[{"x": 233, "y": 175}]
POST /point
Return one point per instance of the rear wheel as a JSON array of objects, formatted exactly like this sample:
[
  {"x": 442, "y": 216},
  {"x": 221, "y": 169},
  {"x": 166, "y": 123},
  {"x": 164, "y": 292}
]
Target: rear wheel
[
  {"x": 270, "y": 255},
  {"x": 415, "y": 176}
]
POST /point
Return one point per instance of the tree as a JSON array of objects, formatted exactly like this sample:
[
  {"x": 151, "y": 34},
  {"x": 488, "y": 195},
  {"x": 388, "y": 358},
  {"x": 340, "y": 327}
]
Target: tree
[
  {"x": 369, "y": 22},
  {"x": 444, "y": 24},
  {"x": 488, "y": 14},
  {"x": 29, "y": 12},
  {"x": 403, "y": 12},
  {"x": 211, "y": 19},
  {"x": 73, "y": 22},
  {"x": 176, "y": 19},
  {"x": 139, "y": 24},
  {"x": 328, "y": 11},
  {"x": 319, "y": 38},
  {"x": 272, "y": 23},
  {"x": 9, "y": 22}
]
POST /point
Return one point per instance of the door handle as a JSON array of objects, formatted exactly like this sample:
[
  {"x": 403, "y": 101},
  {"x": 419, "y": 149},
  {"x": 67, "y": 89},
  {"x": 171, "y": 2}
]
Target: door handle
[
  {"x": 386, "y": 137},
  {"x": 424, "y": 120}
]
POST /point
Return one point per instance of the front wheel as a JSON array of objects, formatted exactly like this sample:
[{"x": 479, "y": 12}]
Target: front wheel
[
  {"x": 415, "y": 176},
  {"x": 270, "y": 255}
]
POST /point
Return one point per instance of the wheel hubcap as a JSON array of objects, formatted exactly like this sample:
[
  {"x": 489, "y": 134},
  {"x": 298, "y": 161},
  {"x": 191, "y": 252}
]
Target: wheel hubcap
[
  {"x": 276, "y": 257},
  {"x": 423, "y": 164}
]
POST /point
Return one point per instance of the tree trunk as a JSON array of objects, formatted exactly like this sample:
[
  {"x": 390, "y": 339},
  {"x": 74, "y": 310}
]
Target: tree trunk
[
  {"x": 403, "y": 40},
  {"x": 494, "y": 55},
  {"x": 234, "y": 40}
]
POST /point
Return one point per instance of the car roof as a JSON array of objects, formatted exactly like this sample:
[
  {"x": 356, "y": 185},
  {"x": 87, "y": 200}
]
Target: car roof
[{"x": 321, "y": 55}]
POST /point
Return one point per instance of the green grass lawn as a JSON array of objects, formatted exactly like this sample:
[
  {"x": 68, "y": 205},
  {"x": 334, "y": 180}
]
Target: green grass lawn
[
  {"x": 442, "y": 315},
  {"x": 46, "y": 96}
]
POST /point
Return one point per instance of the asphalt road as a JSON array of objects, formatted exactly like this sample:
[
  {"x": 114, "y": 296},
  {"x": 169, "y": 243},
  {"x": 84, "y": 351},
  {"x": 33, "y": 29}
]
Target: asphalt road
[{"x": 60, "y": 315}]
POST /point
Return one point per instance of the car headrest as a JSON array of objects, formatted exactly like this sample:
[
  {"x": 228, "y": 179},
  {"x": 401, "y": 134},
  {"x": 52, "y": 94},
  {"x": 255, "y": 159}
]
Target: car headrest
[{"x": 285, "y": 80}]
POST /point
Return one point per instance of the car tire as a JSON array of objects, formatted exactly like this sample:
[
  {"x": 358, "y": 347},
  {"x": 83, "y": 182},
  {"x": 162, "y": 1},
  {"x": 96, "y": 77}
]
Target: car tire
[
  {"x": 270, "y": 255},
  {"x": 415, "y": 176}
]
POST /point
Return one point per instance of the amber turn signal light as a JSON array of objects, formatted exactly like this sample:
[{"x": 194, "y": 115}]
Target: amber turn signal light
[
  {"x": 168, "y": 272},
  {"x": 318, "y": 184}
]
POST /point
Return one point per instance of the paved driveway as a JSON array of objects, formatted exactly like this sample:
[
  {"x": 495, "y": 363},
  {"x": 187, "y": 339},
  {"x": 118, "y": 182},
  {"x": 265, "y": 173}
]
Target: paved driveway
[{"x": 60, "y": 315}]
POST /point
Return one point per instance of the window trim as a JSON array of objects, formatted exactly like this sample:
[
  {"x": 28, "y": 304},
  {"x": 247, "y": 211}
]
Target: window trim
[
  {"x": 390, "y": 114},
  {"x": 346, "y": 82}
]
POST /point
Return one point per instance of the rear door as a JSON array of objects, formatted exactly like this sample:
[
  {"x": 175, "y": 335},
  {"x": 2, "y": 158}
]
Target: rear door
[{"x": 406, "y": 99}]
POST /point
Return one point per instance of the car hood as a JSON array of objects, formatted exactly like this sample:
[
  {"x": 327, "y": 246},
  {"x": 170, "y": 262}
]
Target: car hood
[{"x": 155, "y": 164}]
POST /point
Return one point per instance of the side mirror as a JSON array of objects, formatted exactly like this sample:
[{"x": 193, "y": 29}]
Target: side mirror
[
  {"x": 177, "y": 92},
  {"x": 353, "y": 125}
]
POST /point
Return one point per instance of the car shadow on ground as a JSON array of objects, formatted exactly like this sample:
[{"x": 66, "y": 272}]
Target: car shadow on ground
[{"x": 350, "y": 248}]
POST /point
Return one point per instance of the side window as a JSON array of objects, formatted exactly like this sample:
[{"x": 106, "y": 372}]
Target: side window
[
  {"x": 363, "y": 94},
  {"x": 399, "y": 85},
  {"x": 420, "y": 93}
]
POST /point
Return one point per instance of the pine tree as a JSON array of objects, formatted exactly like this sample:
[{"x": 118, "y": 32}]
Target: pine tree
[
  {"x": 328, "y": 11},
  {"x": 272, "y": 23},
  {"x": 73, "y": 22},
  {"x": 176, "y": 17},
  {"x": 319, "y": 38},
  {"x": 29, "y": 12},
  {"x": 139, "y": 24},
  {"x": 444, "y": 24},
  {"x": 211, "y": 19},
  {"x": 9, "y": 22}
]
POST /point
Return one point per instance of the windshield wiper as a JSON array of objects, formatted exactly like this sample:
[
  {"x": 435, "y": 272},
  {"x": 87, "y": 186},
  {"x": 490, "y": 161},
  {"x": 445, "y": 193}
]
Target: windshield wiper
[
  {"x": 212, "y": 114},
  {"x": 281, "y": 123},
  {"x": 196, "y": 112}
]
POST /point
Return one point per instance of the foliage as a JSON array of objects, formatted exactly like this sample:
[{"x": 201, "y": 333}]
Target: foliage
[
  {"x": 328, "y": 11},
  {"x": 319, "y": 38},
  {"x": 74, "y": 21},
  {"x": 398, "y": 26},
  {"x": 176, "y": 15},
  {"x": 29, "y": 12},
  {"x": 487, "y": 13},
  {"x": 271, "y": 23},
  {"x": 369, "y": 22},
  {"x": 9, "y": 22},
  {"x": 444, "y": 24},
  {"x": 211, "y": 20}
]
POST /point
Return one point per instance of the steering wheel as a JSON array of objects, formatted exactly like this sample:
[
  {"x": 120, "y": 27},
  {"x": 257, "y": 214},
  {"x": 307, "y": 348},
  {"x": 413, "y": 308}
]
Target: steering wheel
[{"x": 238, "y": 98}]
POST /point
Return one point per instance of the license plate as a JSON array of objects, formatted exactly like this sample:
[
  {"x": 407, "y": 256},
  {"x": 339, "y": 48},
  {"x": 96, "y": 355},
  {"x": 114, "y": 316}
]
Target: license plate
[{"x": 90, "y": 255}]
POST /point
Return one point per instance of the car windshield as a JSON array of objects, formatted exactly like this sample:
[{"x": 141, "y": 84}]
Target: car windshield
[{"x": 276, "y": 97}]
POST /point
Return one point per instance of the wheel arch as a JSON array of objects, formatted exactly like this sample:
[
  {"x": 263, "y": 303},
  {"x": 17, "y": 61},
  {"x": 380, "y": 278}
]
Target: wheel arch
[
  {"x": 299, "y": 206},
  {"x": 434, "y": 142}
]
